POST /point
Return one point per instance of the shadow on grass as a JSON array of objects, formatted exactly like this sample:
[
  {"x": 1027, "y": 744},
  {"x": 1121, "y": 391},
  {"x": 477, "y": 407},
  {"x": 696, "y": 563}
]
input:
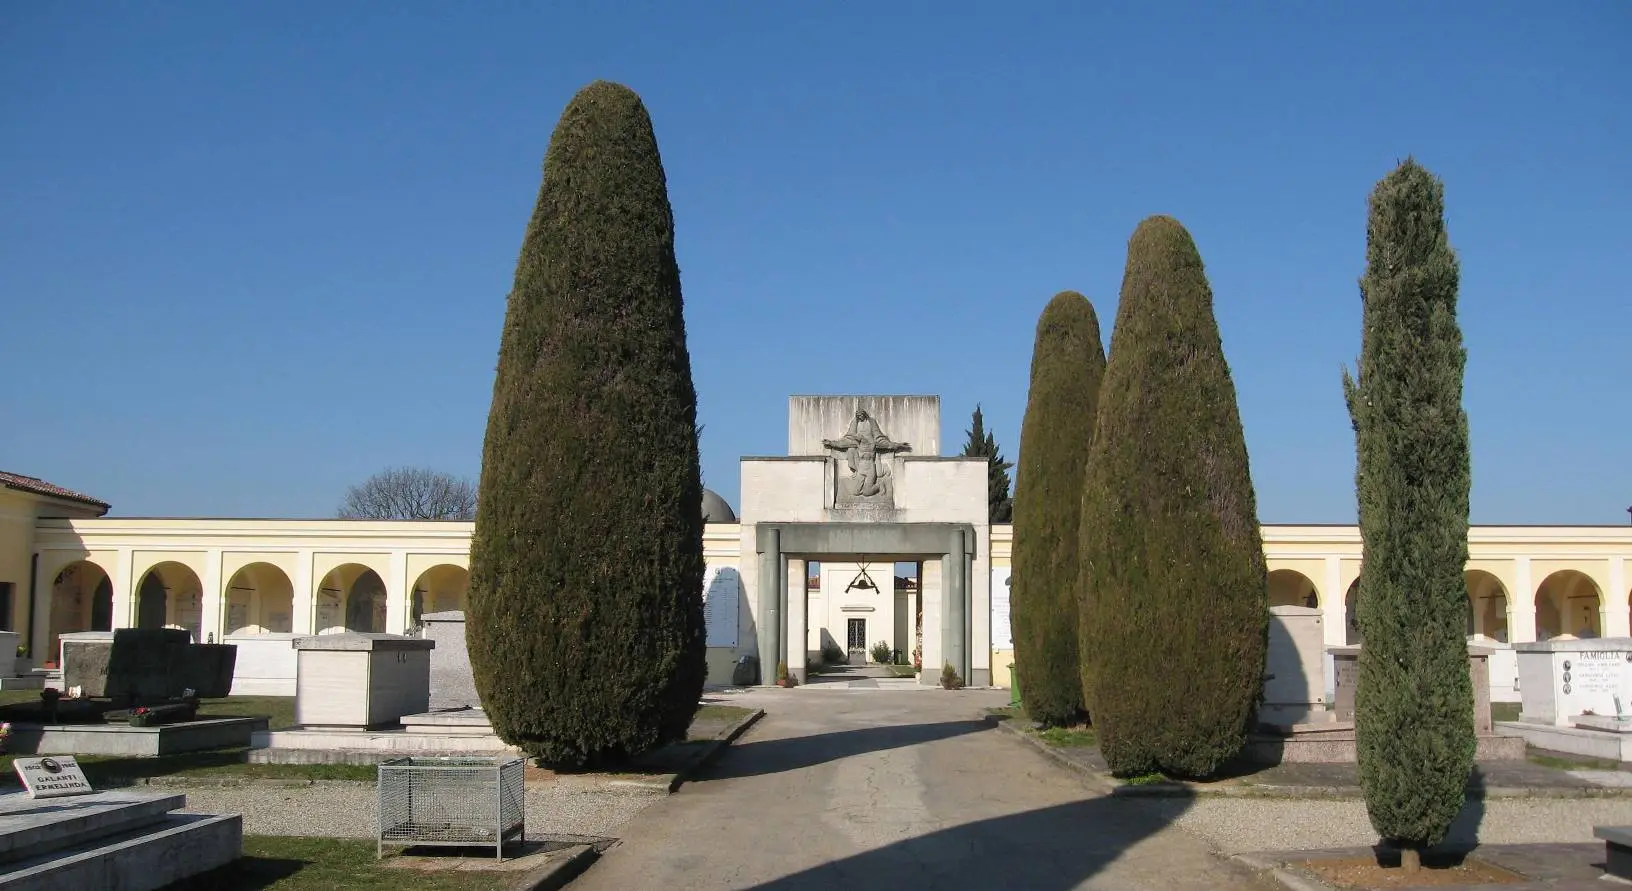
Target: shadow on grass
[
  {"x": 770, "y": 756},
  {"x": 1048, "y": 849},
  {"x": 104, "y": 771},
  {"x": 247, "y": 873}
]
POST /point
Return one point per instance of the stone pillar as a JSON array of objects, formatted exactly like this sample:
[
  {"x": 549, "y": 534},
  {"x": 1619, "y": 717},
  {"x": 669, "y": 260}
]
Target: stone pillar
[
  {"x": 798, "y": 630},
  {"x": 932, "y": 592},
  {"x": 1521, "y": 604},
  {"x": 305, "y": 586},
  {"x": 771, "y": 572},
  {"x": 396, "y": 593},
  {"x": 1331, "y": 610},
  {"x": 1617, "y": 620},
  {"x": 955, "y": 618},
  {"x": 968, "y": 669},
  {"x": 211, "y": 599},
  {"x": 124, "y": 589}
]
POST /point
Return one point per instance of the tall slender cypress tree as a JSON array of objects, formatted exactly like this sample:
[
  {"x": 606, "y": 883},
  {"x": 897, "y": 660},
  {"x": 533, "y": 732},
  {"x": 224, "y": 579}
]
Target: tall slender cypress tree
[
  {"x": 1175, "y": 612},
  {"x": 1067, "y": 364},
  {"x": 1414, "y": 699},
  {"x": 585, "y": 619},
  {"x": 982, "y": 444}
]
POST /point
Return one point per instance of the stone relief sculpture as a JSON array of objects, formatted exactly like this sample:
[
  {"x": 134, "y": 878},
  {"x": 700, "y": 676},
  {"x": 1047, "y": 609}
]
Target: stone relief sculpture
[{"x": 865, "y": 446}]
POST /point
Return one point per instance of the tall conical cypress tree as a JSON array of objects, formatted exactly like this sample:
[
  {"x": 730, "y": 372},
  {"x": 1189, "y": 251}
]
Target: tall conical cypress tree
[
  {"x": 585, "y": 614},
  {"x": 1067, "y": 364},
  {"x": 1414, "y": 699},
  {"x": 1175, "y": 611}
]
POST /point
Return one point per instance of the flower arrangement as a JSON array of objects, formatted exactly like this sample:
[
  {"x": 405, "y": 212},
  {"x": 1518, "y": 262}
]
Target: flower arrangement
[{"x": 5, "y": 731}]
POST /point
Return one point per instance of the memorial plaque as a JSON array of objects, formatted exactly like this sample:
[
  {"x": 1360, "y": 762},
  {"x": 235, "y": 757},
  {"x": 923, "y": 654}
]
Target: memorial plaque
[
  {"x": 1597, "y": 673},
  {"x": 721, "y": 590},
  {"x": 52, "y": 776},
  {"x": 1002, "y": 631}
]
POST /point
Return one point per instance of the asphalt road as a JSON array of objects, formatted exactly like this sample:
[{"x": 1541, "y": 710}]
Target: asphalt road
[{"x": 884, "y": 789}]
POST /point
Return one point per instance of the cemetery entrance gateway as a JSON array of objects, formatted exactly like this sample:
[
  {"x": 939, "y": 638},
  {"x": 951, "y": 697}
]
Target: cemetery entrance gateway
[
  {"x": 863, "y": 484},
  {"x": 946, "y": 608}
]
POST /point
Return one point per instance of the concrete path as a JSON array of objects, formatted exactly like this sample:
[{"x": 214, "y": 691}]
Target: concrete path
[{"x": 894, "y": 789}]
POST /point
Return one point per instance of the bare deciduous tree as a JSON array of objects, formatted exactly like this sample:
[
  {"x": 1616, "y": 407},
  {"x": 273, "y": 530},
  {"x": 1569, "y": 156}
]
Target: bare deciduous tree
[{"x": 411, "y": 493}]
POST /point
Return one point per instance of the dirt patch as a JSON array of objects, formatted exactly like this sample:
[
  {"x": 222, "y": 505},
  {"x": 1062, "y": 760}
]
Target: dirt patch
[{"x": 1364, "y": 872}]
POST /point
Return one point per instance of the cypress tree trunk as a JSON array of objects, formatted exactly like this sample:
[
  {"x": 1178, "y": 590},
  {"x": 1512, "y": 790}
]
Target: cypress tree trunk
[
  {"x": 585, "y": 612},
  {"x": 1175, "y": 612},
  {"x": 1067, "y": 364},
  {"x": 1414, "y": 699}
]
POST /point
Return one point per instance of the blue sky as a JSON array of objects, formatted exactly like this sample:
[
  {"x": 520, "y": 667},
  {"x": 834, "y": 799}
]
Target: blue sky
[{"x": 252, "y": 253}]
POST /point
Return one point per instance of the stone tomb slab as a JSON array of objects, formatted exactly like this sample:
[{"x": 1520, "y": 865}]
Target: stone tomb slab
[
  {"x": 133, "y": 742},
  {"x": 1617, "y": 849},
  {"x": 31, "y": 826},
  {"x": 455, "y": 721}
]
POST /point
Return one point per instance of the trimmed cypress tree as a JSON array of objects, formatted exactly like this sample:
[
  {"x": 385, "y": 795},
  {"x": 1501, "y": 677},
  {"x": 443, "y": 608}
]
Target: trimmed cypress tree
[
  {"x": 1175, "y": 612},
  {"x": 1414, "y": 699},
  {"x": 1067, "y": 364},
  {"x": 585, "y": 614}
]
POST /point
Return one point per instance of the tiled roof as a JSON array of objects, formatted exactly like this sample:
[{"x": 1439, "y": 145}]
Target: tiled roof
[{"x": 41, "y": 487}]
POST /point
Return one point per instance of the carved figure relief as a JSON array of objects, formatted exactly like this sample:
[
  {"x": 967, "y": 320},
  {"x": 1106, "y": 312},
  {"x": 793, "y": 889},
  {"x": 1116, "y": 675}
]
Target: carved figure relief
[{"x": 866, "y": 449}]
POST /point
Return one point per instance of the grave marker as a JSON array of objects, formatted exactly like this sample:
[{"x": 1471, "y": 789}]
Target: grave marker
[{"x": 52, "y": 776}]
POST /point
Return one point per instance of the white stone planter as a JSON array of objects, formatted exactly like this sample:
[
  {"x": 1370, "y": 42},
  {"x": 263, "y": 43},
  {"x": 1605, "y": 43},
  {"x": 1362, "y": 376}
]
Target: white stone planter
[{"x": 358, "y": 681}]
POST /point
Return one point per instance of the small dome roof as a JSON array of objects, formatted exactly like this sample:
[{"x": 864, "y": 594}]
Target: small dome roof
[{"x": 715, "y": 510}]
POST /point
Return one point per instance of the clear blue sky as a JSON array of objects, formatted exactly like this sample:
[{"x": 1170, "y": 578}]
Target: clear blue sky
[{"x": 251, "y": 253}]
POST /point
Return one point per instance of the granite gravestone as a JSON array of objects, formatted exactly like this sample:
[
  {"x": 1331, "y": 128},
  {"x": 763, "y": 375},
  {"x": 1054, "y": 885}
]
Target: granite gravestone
[
  {"x": 452, "y": 684},
  {"x": 148, "y": 665}
]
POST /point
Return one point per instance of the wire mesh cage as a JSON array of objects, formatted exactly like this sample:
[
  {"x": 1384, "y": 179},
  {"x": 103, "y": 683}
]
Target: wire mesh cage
[{"x": 454, "y": 802}]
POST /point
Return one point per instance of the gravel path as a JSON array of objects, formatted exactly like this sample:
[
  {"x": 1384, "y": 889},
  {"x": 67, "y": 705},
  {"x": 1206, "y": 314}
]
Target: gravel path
[
  {"x": 1238, "y": 825},
  {"x": 562, "y": 807}
]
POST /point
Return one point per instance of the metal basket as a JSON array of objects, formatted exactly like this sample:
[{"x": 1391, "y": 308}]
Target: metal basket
[{"x": 454, "y": 802}]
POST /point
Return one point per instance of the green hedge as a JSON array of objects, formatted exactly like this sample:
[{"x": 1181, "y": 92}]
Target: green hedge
[
  {"x": 585, "y": 613},
  {"x": 1067, "y": 364},
  {"x": 1175, "y": 609}
]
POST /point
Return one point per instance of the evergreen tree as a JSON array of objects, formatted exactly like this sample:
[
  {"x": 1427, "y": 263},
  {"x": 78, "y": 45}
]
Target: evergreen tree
[
  {"x": 1067, "y": 364},
  {"x": 981, "y": 444},
  {"x": 1414, "y": 699},
  {"x": 1175, "y": 611},
  {"x": 585, "y": 613}
]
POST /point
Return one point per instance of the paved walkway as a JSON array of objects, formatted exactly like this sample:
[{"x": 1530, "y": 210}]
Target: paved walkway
[{"x": 899, "y": 790}]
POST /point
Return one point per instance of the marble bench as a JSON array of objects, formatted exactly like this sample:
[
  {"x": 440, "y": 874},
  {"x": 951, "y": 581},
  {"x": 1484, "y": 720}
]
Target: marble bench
[{"x": 1617, "y": 849}]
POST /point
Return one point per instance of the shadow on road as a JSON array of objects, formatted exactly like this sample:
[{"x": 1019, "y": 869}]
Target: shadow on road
[
  {"x": 1049, "y": 849},
  {"x": 769, "y": 756}
]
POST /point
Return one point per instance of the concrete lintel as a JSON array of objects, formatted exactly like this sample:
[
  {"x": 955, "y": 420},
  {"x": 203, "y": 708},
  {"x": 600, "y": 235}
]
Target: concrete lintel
[{"x": 816, "y": 539}]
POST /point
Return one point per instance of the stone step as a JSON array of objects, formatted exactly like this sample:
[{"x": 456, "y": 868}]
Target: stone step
[
  {"x": 473, "y": 722},
  {"x": 144, "y": 859},
  {"x": 29, "y": 827}
]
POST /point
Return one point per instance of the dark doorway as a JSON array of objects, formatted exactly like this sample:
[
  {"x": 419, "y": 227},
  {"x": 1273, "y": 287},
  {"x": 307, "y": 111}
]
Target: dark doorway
[
  {"x": 856, "y": 636},
  {"x": 102, "y": 606},
  {"x": 151, "y": 602}
]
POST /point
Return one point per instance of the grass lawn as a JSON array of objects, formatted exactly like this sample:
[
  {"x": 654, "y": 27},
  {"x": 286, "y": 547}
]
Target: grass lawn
[
  {"x": 1068, "y": 737},
  {"x": 105, "y": 771},
  {"x": 728, "y": 713},
  {"x": 278, "y": 710},
  {"x": 311, "y": 864},
  {"x": 1567, "y": 761}
]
